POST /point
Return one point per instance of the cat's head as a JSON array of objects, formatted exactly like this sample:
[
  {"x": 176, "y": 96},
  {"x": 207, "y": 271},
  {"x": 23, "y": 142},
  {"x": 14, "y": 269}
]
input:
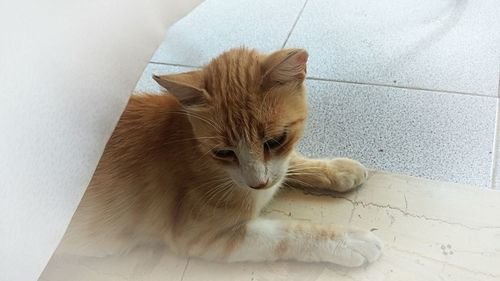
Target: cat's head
[{"x": 247, "y": 111}]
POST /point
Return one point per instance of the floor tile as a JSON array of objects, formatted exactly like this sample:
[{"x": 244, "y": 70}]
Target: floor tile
[
  {"x": 430, "y": 134},
  {"x": 427, "y": 232},
  {"x": 496, "y": 175},
  {"x": 272, "y": 271},
  {"x": 451, "y": 45},
  {"x": 146, "y": 82},
  {"x": 216, "y": 26},
  {"x": 145, "y": 263}
]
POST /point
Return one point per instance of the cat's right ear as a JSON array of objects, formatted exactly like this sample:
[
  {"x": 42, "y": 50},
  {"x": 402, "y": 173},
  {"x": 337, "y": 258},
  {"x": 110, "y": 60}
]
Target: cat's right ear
[{"x": 187, "y": 87}]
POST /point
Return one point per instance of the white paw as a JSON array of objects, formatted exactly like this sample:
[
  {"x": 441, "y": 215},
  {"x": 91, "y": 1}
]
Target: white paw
[
  {"x": 346, "y": 174},
  {"x": 356, "y": 248}
]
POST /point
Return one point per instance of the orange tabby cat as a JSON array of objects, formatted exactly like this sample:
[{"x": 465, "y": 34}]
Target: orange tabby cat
[{"x": 195, "y": 167}]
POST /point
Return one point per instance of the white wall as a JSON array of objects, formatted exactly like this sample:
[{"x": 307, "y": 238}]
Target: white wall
[{"x": 66, "y": 71}]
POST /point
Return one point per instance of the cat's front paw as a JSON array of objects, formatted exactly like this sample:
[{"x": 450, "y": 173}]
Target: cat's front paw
[
  {"x": 346, "y": 174},
  {"x": 356, "y": 248}
]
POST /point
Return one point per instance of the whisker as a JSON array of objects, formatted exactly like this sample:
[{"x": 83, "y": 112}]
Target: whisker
[
  {"x": 219, "y": 180},
  {"x": 216, "y": 191},
  {"x": 208, "y": 151},
  {"x": 302, "y": 165},
  {"x": 299, "y": 181},
  {"x": 188, "y": 139},
  {"x": 301, "y": 171},
  {"x": 242, "y": 204},
  {"x": 222, "y": 197},
  {"x": 207, "y": 121},
  {"x": 215, "y": 180},
  {"x": 303, "y": 174}
]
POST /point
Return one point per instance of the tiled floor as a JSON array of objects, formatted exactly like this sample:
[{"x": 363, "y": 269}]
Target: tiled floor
[
  {"x": 428, "y": 236},
  {"x": 404, "y": 86},
  {"x": 450, "y": 45},
  {"x": 217, "y": 25}
]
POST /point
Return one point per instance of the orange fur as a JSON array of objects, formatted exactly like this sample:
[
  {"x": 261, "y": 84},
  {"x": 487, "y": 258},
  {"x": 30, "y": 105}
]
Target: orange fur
[{"x": 159, "y": 178}]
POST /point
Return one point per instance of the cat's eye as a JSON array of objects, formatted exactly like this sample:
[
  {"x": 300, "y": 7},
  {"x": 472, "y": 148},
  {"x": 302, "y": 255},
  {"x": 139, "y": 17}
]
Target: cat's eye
[
  {"x": 224, "y": 154},
  {"x": 277, "y": 142}
]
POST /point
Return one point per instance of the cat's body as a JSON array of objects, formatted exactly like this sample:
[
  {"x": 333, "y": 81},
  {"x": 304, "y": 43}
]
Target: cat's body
[{"x": 194, "y": 168}]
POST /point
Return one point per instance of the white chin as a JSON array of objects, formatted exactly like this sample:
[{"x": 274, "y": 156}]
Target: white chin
[{"x": 278, "y": 182}]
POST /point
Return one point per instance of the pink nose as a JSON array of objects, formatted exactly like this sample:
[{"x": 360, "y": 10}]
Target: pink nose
[{"x": 260, "y": 185}]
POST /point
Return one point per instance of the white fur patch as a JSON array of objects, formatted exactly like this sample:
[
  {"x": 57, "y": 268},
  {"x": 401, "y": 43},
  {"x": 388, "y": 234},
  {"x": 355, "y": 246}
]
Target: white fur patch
[
  {"x": 353, "y": 248},
  {"x": 262, "y": 197},
  {"x": 261, "y": 238}
]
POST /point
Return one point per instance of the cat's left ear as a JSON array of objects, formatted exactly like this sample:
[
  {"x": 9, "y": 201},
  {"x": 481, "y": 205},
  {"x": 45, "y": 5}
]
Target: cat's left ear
[
  {"x": 288, "y": 65},
  {"x": 187, "y": 87}
]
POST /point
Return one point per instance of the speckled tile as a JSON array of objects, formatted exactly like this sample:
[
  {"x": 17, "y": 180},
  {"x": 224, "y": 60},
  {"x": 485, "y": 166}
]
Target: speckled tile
[
  {"x": 146, "y": 82},
  {"x": 451, "y": 45},
  {"x": 217, "y": 25},
  {"x": 496, "y": 170},
  {"x": 429, "y": 134}
]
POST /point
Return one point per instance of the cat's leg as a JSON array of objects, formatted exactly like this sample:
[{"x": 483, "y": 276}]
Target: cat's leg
[
  {"x": 340, "y": 174},
  {"x": 269, "y": 240}
]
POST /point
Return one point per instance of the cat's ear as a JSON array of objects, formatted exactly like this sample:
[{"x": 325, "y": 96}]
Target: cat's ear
[
  {"x": 187, "y": 87},
  {"x": 285, "y": 66}
]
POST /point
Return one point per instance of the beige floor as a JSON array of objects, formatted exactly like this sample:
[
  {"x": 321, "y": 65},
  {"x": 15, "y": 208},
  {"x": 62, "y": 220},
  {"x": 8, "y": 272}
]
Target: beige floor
[{"x": 432, "y": 231}]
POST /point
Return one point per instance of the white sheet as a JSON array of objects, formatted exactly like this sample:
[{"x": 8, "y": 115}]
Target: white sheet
[{"x": 66, "y": 71}]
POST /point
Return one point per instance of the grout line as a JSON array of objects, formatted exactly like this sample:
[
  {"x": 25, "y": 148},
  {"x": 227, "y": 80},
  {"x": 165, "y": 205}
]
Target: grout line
[
  {"x": 359, "y": 83},
  {"x": 174, "y": 64},
  {"x": 294, "y": 24},
  {"x": 496, "y": 143},
  {"x": 401, "y": 87},
  {"x": 185, "y": 267},
  {"x": 494, "y": 157}
]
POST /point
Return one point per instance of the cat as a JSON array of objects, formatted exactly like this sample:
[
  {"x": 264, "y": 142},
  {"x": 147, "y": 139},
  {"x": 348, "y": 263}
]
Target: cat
[{"x": 193, "y": 167}]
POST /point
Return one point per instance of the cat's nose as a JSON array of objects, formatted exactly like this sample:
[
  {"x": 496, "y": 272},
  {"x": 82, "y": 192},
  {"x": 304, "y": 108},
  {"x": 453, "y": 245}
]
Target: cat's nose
[{"x": 260, "y": 185}]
